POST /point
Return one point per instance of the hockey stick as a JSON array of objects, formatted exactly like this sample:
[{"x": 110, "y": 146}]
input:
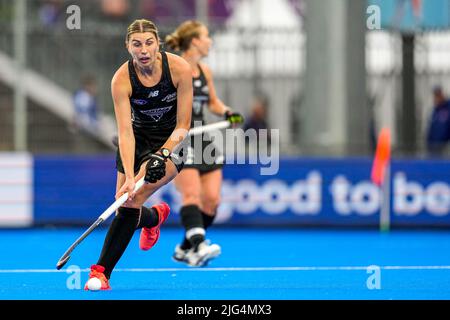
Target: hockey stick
[
  {"x": 209, "y": 127},
  {"x": 194, "y": 131},
  {"x": 112, "y": 208},
  {"x": 104, "y": 216}
]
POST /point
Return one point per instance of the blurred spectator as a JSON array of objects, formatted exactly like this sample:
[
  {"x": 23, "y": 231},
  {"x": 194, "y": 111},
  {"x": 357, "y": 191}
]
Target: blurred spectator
[
  {"x": 371, "y": 103},
  {"x": 258, "y": 115},
  {"x": 50, "y": 11},
  {"x": 161, "y": 10},
  {"x": 295, "y": 116},
  {"x": 257, "y": 119},
  {"x": 438, "y": 133},
  {"x": 115, "y": 9},
  {"x": 85, "y": 104},
  {"x": 147, "y": 8}
]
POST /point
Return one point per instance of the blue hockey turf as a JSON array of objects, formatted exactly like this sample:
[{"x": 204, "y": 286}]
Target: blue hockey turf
[{"x": 256, "y": 264}]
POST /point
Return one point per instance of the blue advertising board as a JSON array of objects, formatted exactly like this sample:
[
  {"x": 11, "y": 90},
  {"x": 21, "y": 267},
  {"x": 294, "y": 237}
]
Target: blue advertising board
[{"x": 318, "y": 192}]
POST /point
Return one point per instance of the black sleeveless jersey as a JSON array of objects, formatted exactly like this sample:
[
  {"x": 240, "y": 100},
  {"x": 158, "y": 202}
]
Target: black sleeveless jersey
[
  {"x": 201, "y": 98},
  {"x": 153, "y": 108}
]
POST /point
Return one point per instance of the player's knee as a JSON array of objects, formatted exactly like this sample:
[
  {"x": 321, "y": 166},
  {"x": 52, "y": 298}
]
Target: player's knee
[
  {"x": 211, "y": 202},
  {"x": 191, "y": 198}
]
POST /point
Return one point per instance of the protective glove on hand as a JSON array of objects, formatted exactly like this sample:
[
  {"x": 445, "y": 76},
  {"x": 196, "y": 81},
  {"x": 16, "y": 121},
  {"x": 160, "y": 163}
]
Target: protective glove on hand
[
  {"x": 233, "y": 117},
  {"x": 155, "y": 169}
]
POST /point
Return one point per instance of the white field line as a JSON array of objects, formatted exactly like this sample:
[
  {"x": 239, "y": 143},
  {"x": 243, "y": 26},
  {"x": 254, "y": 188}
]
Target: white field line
[{"x": 234, "y": 269}]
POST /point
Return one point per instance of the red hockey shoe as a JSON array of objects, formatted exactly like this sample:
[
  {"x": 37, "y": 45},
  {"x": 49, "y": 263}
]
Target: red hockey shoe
[
  {"x": 97, "y": 273},
  {"x": 149, "y": 236}
]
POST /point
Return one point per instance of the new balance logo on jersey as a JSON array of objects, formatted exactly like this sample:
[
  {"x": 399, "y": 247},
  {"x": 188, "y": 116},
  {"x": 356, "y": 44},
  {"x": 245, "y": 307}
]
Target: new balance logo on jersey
[
  {"x": 153, "y": 94},
  {"x": 156, "y": 114}
]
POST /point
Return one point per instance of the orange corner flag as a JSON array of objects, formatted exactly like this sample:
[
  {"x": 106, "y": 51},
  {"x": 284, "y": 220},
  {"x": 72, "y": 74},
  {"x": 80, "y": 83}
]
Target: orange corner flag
[{"x": 382, "y": 156}]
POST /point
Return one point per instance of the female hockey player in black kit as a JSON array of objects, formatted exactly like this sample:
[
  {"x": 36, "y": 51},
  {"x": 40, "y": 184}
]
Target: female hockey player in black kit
[
  {"x": 152, "y": 95},
  {"x": 200, "y": 181}
]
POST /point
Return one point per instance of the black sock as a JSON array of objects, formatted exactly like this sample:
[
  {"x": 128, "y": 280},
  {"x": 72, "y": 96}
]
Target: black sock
[
  {"x": 186, "y": 244},
  {"x": 192, "y": 221},
  {"x": 148, "y": 219},
  {"x": 118, "y": 237},
  {"x": 207, "y": 220}
]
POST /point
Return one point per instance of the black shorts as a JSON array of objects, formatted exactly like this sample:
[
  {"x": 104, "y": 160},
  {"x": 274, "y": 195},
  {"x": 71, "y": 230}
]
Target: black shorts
[
  {"x": 146, "y": 144},
  {"x": 205, "y": 158}
]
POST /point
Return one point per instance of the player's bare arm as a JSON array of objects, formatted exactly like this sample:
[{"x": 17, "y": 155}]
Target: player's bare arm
[{"x": 121, "y": 90}]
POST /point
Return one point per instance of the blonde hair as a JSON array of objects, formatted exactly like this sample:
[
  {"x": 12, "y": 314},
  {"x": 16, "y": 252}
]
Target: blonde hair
[
  {"x": 139, "y": 26},
  {"x": 181, "y": 38}
]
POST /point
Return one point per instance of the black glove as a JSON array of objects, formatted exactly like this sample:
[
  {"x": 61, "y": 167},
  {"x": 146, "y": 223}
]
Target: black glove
[
  {"x": 233, "y": 117},
  {"x": 156, "y": 168}
]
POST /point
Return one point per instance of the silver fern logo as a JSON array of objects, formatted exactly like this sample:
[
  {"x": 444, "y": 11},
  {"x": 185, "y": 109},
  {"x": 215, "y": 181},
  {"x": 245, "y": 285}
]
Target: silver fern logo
[{"x": 156, "y": 114}]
